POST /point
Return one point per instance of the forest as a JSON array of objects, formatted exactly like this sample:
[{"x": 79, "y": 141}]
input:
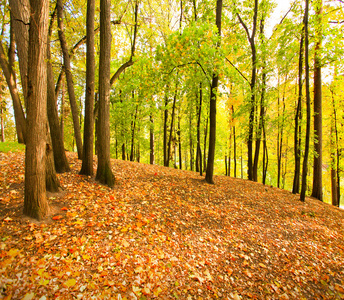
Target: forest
[{"x": 215, "y": 87}]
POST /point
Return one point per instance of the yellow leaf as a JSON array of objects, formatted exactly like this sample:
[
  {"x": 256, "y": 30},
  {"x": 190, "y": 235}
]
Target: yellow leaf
[
  {"x": 43, "y": 282},
  {"x": 262, "y": 265},
  {"x": 70, "y": 282},
  {"x": 29, "y": 296},
  {"x": 125, "y": 243}
]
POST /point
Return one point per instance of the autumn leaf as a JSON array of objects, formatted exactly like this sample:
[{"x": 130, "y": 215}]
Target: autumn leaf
[
  {"x": 69, "y": 283},
  {"x": 29, "y": 296},
  {"x": 58, "y": 217}
]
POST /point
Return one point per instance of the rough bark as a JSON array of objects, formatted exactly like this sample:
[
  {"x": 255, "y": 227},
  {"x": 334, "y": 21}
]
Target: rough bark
[
  {"x": 35, "y": 201},
  {"x": 59, "y": 153},
  {"x": 87, "y": 161},
  {"x": 19, "y": 115},
  {"x": 317, "y": 165},
  {"x": 199, "y": 150},
  {"x": 20, "y": 13},
  {"x": 104, "y": 173},
  {"x": 212, "y": 107},
  {"x": 308, "y": 105},
  {"x": 69, "y": 79}
]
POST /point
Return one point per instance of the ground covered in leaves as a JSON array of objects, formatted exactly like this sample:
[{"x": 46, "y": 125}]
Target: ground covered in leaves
[{"x": 166, "y": 234}]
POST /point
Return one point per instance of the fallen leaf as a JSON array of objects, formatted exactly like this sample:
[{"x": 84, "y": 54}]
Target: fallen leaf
[{"x": 69, "y": 283}]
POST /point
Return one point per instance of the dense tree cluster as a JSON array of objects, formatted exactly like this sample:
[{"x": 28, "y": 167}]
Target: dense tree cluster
[{"x": 199, "y": 85}]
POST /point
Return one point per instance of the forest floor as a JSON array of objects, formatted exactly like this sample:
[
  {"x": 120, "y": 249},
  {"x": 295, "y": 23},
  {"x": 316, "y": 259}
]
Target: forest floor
[{"x": 165, "y": 234}]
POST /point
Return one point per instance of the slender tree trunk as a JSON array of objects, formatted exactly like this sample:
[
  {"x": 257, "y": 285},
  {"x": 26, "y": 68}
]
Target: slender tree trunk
[
  {"x": 199, "y": 115},
  {"x": 297, "y": 129},
  {"x": 265, "y": 156},
  {"x": 165, "y": 129},
  {"x": 226, "y": 166},
  {"x": 69, "y": 79},
  {"x": 179, "y": 144},
  {"x": 59, "y": 154},
  {"x": 334, "y": 188},
  {"x": 151, "y": 139},
  {"x": 35, "y": 201},
  {"x": 133, "y": 125},
  {"x": 251, "y": 39},
  {"x": 2, "y": 124},
  {"x": 171, "y": 126},
  {"x": 62, "y": 112},
  {"x": 308, "y": 104},
  {"x": 205, "y": 144},
  {"x": 191, "y": 141},
  {"x": 20, "y": 12},
  {"x": 87, "y": 161},
  {"x": 17, "y": 107},
  {"x": 212, "y": 112},
  {"x": 317, "y": 165},
  {"x": 104, "y": 172}
]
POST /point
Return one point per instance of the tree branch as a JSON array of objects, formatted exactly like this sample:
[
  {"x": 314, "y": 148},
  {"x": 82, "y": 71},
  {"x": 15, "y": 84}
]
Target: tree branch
[{"x": 242, "y": 75}]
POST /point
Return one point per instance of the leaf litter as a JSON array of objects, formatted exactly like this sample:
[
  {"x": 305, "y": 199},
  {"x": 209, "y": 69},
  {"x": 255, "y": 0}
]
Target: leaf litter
[{"x": 162, "y": 233}]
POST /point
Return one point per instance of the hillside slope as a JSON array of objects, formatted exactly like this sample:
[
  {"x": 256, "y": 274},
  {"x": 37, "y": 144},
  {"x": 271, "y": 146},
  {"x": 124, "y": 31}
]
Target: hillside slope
[{"x": 166, "y": 234}]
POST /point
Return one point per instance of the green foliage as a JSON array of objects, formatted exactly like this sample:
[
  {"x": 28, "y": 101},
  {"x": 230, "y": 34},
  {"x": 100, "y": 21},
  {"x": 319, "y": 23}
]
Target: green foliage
[{"x": 11, "y": 147}]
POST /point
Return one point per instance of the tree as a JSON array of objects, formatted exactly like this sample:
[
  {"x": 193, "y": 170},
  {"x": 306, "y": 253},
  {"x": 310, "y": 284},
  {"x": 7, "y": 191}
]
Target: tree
[
  {"x": 35, "y": 201},
  {"x": 104, "y": 172},
  {"x": 212, "y": 111},
  {"x": 317, "y": 166},
  {"x": 87, "y": 161},
  {"x": 69, "y": 78},
  {"x": 308, "y": 104}
]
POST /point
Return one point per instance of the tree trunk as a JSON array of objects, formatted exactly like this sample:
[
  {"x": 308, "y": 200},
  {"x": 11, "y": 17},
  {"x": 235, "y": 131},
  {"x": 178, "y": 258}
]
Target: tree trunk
[
  {"x": 59, "y": 154},
  {"x": 165, "y": 129},
  {"x": 317, "y": 166},
  {"x": 69, "y": 79},
  {"x": 297, "y": 129},
  {"x": 35, "y": 201},
  {"x": 234, "y": 146},
  {"x": 87, "y": 161},
  {"x": 251, "y": 39},
  {"x": 2, "y": 123},
  {"x": 20, "y": 12},
  {"x": 104, "y": 172},
  {"x": 191, "y": 142},
  {"x": 19, "y": 115},
  {"x": 151, "y": 139},
  {"x": 133, "y": 125},
  {"x": 199, "y": 150},
  {"x": 179, "y": 144},
  {"x": 308, "y": 104},
  {"x": 212, "y": 107},
  {"x": 205, "y": 145},
  {"x": 171, "y": 126}
]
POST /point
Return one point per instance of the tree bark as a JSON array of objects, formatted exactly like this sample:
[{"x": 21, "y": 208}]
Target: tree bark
[
  {"x": 199, "y": 150},
  {"x": 20, "y": 12},
  {"x": 151, "y": 140},
  {"x": 212, "y": 112},
  {"x": 317, "y": 165},
  {"x": 69, "y": 79},
  {"x": 104, "y": 172},
  {"x": 17, "y": 106},
  {"x": 35, "y": 201},
  {"x": 179, "y": 144},
  {"x": 87, "y": 161},
  {"x": 297, "y": 129},
  {"x": 59, "y": 154},
  {"x": 171, "y": 126},
  {"x": 165, "y": 128},
  {"x": 133, "y": 126},
  {"x": 251, "y": 39},
  {"x": 308, "y": 104}
]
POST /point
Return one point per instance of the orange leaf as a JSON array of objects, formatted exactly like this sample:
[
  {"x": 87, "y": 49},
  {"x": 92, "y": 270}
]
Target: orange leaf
[
  {"x": 64, "y": 208},
  {"x": 58, "y": 217}
]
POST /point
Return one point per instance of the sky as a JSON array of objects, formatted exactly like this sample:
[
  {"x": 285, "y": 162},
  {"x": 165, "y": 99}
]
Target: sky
[{"x": 281, "y": 9}]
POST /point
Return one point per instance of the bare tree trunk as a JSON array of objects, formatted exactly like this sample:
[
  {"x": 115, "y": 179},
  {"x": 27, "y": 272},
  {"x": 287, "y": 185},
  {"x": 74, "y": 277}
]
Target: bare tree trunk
[
  {"x": 165, "y": 129},
  {"x": 199, "y": 150},
  {"x": 205, "y": 145},
  {"x": 104, "y": 172},
  {"x": 308, "y": 104},
  {"x": 151, "y": 140},
  {"x": 297, "y": 129},
  {"x": 171, "y": 126},
  {"x": 35, "y": 201},
  {"x": 133, "y": 125},
  {"x": 17, "y": 107},
  {"x": 179, "y": 144},
  {"x": 234, "y": 146},
  {"x": 317, "y": 166},
  {"x": 87, "y": 161},
  {"x": 20, "y": 12},
  {"x": 69, "y": 79},
  {"x": 212, "y": 112},
  {"x": 59, "y": 154}
]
